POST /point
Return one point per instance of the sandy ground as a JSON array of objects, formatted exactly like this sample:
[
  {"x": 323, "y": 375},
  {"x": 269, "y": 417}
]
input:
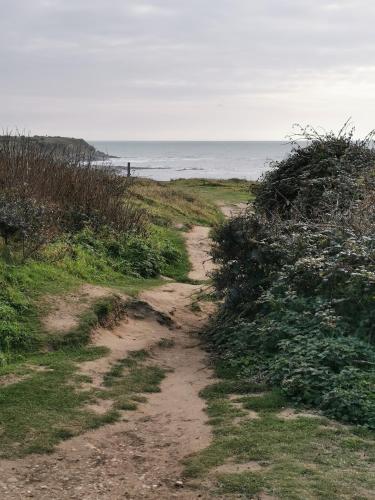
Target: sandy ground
[
  {"x": 198, "y": 245},
  {"x": 140, "y": 456},
  {"x": 234, "y": 209},
  {"x": 64, "y": 311}
]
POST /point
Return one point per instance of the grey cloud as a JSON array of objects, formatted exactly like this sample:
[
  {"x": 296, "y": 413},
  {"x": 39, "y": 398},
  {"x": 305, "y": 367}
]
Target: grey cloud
[{"x": 153, "y": 61}]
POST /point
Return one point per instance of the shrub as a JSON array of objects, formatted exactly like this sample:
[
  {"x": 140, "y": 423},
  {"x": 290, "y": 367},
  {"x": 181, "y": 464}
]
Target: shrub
[
  {"x": 318, "y": 176},
  {"x": 27, "y": 225},
  {"x": 297, "y": 279},
  {"x": 64, "y": 190}
]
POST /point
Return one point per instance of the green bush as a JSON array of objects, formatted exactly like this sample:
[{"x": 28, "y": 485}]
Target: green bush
[
  {"x": 321, "y": 174},
  {"x": 145, "y": 256},
  {"x": 297, "y": 279}
]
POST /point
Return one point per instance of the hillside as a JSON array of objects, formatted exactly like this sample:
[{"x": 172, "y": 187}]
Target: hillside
[{"x": 62, "y": 145}]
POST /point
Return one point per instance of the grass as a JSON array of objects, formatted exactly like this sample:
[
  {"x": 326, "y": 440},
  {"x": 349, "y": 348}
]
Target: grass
[
  {"x": 169, "y": 204},
  {"x": 60, "y": 269},
  {"x": 65, "y": 265},
  {"x": 304, "y": 457},
  {"x": 45, "y": 407},
  {"x": 189, "y": 201},
  {"x": 22, "y": 287},
  {"x": 172, "y": 240},
  {"x": 47, "y": 404},
  {"x": 42, "y": 403},
  {"x": 129, "y": 377},
  {"x": 217, "y": 191}
]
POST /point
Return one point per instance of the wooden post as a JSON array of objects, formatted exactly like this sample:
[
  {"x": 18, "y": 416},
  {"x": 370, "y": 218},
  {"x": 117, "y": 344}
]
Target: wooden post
[{"x": 129, "y": 173}]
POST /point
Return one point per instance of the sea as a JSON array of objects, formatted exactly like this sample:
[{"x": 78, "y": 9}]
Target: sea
[{"x": 166, "y": 160}]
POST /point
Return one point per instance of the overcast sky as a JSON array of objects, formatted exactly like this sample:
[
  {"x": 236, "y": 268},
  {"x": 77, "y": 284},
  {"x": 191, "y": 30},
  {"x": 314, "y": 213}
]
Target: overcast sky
[{"x": 185, "y": 69}]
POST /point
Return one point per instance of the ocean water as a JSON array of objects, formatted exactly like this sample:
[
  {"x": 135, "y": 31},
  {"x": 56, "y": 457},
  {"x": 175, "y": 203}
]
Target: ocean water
[{"x": 163, "y": 160}]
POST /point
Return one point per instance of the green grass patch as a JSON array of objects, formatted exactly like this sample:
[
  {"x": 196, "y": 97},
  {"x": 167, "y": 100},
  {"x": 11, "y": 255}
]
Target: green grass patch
[
  {"x": 127, "y": 265},
  {"x": 45, "y": 404},
  {"x": 168, "y": 203},
  {"x": 131, "y": 377},
  {"x": 245, "y": 483},
  {"x": 217, "y": 191},
  {"x": 189, "y": 201},
  {"x": 303, "y": 457},
  {"x": 270, "y": 401},
  {"x": 171, "y": 244},
  {"x": 46, "y": 407}
]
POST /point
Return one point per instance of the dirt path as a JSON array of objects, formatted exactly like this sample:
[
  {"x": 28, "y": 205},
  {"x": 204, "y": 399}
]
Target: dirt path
[
  {"x": 140, "y": 456},
  {"x": 197, "y": 242}
]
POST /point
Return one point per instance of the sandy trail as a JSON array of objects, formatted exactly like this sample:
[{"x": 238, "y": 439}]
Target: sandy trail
[
  {"x": 140, "y": 456},
  {"x": 197, "y": 242}
]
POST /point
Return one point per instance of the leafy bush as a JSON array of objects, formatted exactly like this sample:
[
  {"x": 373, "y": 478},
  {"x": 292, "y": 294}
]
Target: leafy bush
[
  {"x": 320, "y": 175},
  {"x": 298, "y": 280},
  {"x": 26, "y": 224},
  {"x": 143, "y": 256}
]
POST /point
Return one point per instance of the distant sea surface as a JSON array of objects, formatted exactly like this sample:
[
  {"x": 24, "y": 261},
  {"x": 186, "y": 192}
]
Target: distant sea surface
[{"x": 186, "y": 159}]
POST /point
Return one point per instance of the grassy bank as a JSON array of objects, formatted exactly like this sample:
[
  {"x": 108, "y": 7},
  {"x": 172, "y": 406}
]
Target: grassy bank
[
  {"x": 189, "y": 201},
  {"x": 216, "y": 191},
  {"x": 262, "y": 446}
]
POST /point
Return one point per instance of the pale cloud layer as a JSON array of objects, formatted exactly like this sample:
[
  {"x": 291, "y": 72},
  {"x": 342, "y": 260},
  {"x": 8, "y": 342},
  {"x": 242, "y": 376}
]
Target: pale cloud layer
[{"x": 197, "y": 69}]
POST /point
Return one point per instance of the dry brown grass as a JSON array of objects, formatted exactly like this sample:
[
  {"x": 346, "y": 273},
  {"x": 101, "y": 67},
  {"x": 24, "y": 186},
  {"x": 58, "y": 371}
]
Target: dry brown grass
[{"x": 67, "y": 182}]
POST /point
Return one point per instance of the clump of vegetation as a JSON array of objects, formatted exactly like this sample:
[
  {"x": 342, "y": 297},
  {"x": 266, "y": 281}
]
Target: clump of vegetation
[
  {"x": 320, "y": 178},
  {"x": 44, "y": 193},
  {"x": 64, "y": 220},
  {"x": 298, "y": 279},
  {"x": 69, "y": 184}
]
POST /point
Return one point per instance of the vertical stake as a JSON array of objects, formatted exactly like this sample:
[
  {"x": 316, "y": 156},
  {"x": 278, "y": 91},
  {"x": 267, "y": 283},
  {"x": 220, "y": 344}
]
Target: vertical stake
[{"x": 129, "y": 173}]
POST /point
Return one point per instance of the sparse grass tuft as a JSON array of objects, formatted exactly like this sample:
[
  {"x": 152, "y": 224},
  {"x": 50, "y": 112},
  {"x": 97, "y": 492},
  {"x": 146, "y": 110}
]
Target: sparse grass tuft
[
  {"x": 130, "y": 377},
  {"x": 165, "y": 343}
]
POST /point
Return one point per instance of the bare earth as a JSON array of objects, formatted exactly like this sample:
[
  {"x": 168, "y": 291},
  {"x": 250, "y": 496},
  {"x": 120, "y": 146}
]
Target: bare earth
[
  {"x": 197, "y": 242},
  {"x": 140, "y": 456},
  {"x": 64, "y": 311},
  {"x": 234, "y": 209}
]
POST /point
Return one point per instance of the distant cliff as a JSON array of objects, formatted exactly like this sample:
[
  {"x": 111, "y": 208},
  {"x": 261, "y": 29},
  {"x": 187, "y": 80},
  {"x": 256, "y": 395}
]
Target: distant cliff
[
  {"x": 71, "y": 144},
  {"x": 61, "y": 145}
]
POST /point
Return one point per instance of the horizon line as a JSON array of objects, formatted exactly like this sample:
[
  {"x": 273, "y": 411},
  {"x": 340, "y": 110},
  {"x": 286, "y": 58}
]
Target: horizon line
[{"x": 190, "y": 140}]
